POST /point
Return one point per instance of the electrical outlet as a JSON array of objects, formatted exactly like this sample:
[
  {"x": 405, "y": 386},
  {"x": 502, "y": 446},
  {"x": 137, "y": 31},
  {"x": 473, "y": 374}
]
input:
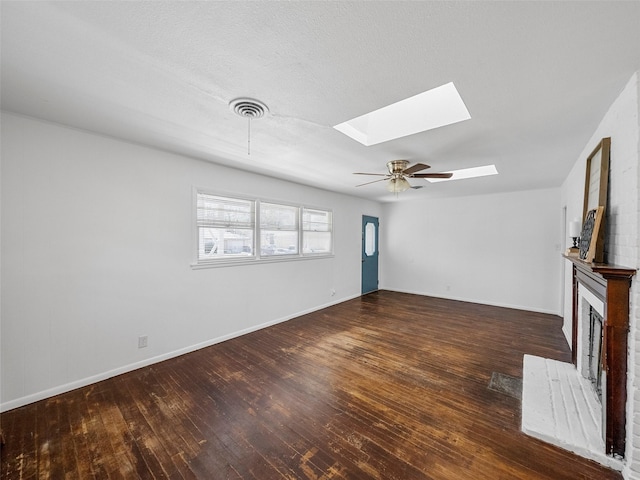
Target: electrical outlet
[{"x": 142, "y": 341}]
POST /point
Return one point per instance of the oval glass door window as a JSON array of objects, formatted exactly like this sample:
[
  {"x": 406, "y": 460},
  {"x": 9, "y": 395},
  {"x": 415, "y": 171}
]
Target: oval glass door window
[{"x": 369, "y": 239}]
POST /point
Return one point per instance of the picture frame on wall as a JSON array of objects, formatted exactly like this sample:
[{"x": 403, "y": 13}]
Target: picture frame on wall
[{"x": 596, "y": 187}]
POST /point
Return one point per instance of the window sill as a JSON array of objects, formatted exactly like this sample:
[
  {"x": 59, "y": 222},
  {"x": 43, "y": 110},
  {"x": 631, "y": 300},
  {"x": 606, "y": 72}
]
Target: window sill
[{"x": 230, "y": 262}]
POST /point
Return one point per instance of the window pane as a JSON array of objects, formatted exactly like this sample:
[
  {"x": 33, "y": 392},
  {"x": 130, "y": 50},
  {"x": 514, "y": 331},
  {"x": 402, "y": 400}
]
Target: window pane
[
  {"x": 316, "y": 234},
  {"x": 224, "y": 212},
  {"x": 225, "y": 227},
  {"x": 278, "y": 229},
  {"x": 316, "y": 220},
  {"x": 278, "y": 217},
  {"x": 221, "y": 243},
  {"x": 278, "y": 242},
  {"x": 369, "y": 239},
  {"x": 317, "y": 242}
]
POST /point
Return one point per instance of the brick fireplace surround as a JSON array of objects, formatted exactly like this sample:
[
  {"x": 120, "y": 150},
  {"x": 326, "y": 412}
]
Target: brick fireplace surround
[
  {"x": 611, "y": 284},
  {"x": 559, "y": 405}
]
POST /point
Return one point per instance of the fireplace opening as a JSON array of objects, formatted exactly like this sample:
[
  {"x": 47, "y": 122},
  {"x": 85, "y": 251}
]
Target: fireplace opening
[
  {"x": 590, "y": 361},
  {"x": 594, "y": 353}
]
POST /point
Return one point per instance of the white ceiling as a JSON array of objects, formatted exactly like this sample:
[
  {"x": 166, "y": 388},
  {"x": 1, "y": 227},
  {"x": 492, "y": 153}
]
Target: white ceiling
[{"x": 537, "y": 77}]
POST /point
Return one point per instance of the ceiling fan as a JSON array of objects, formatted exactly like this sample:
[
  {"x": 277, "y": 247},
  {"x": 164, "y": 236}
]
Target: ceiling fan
[{"x": 399, "y": 171}]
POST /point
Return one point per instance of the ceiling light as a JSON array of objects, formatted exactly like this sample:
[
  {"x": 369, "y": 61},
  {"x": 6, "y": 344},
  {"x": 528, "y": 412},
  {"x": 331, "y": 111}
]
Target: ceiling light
[
  {"x": 398, "y": 184},
  {"x": 428, "y": 110},
  {"x": 467, "y": 173}
]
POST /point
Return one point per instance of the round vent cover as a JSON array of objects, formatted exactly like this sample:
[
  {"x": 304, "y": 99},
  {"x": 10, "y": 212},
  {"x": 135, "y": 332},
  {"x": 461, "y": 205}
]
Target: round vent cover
[{"x": 248, "y": 107}]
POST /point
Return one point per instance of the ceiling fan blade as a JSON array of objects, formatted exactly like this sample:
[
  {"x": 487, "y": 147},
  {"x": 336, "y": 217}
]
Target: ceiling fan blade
[
  {"x": 379, "y": 174},
  {"x": 432, "y": 175},
  {"x": 415, "y": 168},
  {"x": 381, "y": 180}
]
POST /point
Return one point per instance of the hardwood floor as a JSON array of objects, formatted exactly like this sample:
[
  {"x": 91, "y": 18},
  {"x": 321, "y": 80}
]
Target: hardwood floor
[{"x": 386, "y": 386}]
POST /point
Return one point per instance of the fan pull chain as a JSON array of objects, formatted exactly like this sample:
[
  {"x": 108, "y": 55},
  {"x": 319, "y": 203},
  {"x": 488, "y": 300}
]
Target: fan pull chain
[{"x": 249, "y": 137}]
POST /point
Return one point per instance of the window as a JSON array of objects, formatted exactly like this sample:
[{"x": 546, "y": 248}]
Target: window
[
  {"x": 278, "y": 229},
  {"x": 227, "y": 231},
  {"x": 316, "y": 231},
  {"x": 226, "y": 227}
]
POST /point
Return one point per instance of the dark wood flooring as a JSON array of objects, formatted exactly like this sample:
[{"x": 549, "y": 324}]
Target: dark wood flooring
[{"x": 387, "y": 386}]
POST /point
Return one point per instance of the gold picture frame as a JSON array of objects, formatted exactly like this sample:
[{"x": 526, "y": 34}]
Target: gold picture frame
[{"x": 596, "y": 186}]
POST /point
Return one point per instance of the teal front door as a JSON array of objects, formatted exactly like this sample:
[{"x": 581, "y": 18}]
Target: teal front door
[{"x": 369, "y": 254}]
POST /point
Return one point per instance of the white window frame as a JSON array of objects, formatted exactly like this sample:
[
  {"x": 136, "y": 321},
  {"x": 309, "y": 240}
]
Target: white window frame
[
  {"x": 245, "y": 224},
  {"x": 303, "y": 231},
  {"x": 256, "y": 257},
  {"x": 296, "y": 228}
]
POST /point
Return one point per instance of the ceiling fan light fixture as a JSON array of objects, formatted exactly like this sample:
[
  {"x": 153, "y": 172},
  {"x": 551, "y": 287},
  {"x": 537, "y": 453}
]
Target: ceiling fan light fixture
[
  {"x": 396, "y": 167},
  {"x": 398, "y": 184}
]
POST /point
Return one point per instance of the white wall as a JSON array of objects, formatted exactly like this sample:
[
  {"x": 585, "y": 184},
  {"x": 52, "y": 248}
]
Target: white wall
[
  {"x": 622, "y": 233},
  {"x": 96, "y": 250},
  {"x": 476, "y": 248}
]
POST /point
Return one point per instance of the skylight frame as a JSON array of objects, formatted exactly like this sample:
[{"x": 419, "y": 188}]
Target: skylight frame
[{"x": 428, "y": 110}]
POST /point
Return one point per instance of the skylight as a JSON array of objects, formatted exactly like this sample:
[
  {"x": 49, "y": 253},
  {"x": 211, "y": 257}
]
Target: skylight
[
  {"x": 467, "y": 173},
  {"x": 428, "y": 110}
]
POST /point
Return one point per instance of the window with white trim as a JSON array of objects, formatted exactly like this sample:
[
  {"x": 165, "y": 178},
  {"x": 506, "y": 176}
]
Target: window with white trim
[
  {"x": 226, "y": 227},
  {"x": 243, "y": 230},
  {"x": 317, "y": 235},
  {"x": 278, "y": 229}
]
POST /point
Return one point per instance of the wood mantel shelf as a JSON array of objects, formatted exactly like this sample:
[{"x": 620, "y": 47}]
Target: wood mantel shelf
[
  {"x": 610, "y": 283},
  {"x": 604, "y": 269}
]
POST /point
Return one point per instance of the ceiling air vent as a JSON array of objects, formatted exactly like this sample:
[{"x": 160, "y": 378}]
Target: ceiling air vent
[{"x": 248, "y": 107}]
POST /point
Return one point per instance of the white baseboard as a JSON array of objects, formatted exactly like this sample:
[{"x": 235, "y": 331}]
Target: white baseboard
[
  {"x": 468, "y": 300},
  {"x": 83, "y": 382}
]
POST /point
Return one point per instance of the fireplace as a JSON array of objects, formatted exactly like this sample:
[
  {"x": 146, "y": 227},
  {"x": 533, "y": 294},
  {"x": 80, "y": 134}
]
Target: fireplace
[
  {"x": 581, "y": 406},
  {"x": 599, "y": 343}
]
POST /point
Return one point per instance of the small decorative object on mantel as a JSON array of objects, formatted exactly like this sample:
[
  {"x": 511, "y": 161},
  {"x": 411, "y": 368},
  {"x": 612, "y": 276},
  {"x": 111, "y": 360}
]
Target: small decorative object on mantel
[
  {"x": 574, "y": 232},
  {"x": 572, "y": 252},
  {"x": 589, "y": 251}
]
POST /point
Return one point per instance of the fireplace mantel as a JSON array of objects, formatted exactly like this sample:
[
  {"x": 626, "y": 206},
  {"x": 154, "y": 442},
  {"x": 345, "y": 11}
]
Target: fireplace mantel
[{"x": 611, "y": 284}]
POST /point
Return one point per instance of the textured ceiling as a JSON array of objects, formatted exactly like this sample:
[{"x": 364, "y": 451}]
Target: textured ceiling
[{"x": 537, "y": 77}]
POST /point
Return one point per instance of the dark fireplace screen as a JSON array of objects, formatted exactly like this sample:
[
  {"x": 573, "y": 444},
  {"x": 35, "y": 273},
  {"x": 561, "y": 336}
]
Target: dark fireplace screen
[{"x": 595, "y": 351}]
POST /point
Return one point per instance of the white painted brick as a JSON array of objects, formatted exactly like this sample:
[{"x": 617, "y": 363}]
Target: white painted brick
[
  {"x": 622, "y": 231},
  {"x": 558, "y": 406}
]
